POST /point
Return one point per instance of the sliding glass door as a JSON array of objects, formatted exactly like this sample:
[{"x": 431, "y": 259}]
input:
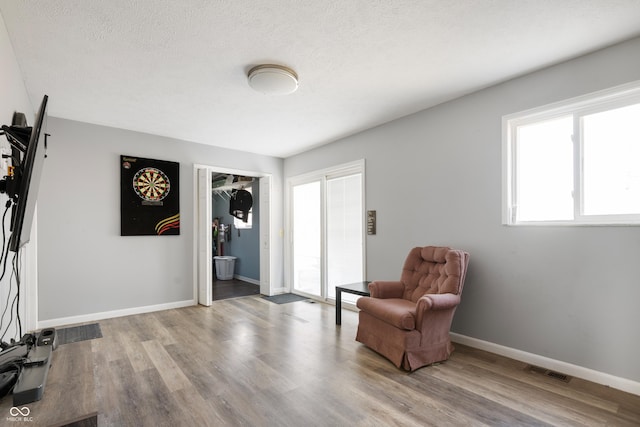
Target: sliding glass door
[
  {"x": 327, "y": 239},
  {"x": 344, "y": 236}
]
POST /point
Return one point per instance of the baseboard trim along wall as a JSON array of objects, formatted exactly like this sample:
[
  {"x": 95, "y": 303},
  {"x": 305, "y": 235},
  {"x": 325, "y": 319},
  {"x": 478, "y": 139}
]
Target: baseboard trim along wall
[
  {"x": 52, "y": 323},
  {"x": 247, "y": 279},
  {"x": 555, "y": 365}
]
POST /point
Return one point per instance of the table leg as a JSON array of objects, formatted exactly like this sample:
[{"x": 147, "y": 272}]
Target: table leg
[{"x": 338, "y": 306}]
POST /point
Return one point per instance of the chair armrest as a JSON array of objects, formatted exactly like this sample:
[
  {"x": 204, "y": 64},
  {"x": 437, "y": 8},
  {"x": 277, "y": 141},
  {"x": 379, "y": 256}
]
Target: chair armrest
[
  {"x": 386, "y": 289},
  {"x": 437, "y": 308},
  {"x": 437, "y": 302}
]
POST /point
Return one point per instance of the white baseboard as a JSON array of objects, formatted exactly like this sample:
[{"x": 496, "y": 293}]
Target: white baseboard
[
  {"x": 598, "y": 377},
  {"x": 52, "y": 323},
  {"x": 247, "y": 279},
  {"x": 276, "y": 291}
]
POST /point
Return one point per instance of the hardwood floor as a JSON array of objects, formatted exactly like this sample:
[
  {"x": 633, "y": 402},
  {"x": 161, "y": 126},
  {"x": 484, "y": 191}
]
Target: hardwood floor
[
  {"x": 223, "y": 289},
  {"x": 249, "y": 362}
]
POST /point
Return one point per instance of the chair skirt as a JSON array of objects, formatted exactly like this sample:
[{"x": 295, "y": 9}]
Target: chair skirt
[{"x": 402, "y": 347}]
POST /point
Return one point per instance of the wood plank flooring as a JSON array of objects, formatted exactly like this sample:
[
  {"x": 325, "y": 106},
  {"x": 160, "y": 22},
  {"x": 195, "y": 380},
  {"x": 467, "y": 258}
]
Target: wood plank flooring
[
  {"x": 249, "y": 362},
  {"x": 224, "y": 289}
]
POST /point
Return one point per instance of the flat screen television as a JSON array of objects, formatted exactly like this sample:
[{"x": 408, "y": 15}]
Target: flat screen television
[{"x": 28, "y": 158}]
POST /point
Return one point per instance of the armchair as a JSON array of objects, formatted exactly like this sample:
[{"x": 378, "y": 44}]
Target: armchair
[{"x": 408, "y": 321}]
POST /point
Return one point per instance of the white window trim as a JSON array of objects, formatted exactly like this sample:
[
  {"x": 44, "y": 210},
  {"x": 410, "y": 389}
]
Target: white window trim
[{"x": 607, "y": 99}]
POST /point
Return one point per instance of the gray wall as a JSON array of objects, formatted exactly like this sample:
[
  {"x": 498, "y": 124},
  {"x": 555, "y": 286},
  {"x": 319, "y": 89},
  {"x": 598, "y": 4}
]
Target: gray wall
[
  {"x": 13, "y": 97},
  {"x": 245, "y": 246},
  {"x": 85, "y": 265},
  {"x": 567, "y": 293}
]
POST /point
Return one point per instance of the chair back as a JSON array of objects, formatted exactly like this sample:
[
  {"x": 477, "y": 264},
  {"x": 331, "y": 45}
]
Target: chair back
[{"x": 433, "y": 270}]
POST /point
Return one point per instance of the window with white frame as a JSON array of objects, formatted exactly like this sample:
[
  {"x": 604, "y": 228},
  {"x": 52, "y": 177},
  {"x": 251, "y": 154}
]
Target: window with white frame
[{"x": 574, "y": 162}]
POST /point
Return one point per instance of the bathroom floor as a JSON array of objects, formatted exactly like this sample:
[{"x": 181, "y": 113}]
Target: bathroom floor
[{"x": 223, "y": 289}]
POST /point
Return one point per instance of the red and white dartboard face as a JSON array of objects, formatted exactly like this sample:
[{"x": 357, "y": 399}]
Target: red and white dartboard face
[{"x": 151, "y": 184}]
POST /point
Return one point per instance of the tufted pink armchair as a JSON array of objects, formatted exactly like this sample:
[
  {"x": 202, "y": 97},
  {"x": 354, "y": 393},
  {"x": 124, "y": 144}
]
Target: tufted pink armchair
[{"x": 408, "y": 321}]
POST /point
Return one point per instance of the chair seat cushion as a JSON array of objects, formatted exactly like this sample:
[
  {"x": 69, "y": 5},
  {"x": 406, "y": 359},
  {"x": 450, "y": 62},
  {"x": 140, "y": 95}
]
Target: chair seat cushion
[{"x": 398, "y": 312}]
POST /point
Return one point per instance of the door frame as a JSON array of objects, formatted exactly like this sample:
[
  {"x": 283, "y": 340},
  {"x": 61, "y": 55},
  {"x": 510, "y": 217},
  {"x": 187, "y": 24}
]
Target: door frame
[{"x": 267, "y": 257}]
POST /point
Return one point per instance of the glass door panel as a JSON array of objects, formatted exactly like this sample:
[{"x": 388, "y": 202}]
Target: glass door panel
[
  {"x": 344, "y": 235},
  {"x": 307, "y": 235}
]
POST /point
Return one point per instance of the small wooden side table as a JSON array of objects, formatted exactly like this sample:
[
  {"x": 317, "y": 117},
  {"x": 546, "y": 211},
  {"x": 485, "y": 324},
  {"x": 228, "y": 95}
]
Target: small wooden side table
[{"x": 357, "y": 288}]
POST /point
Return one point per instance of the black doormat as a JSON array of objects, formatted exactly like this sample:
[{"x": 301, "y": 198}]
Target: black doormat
[
  {"x": 285, "y": 298},
  {"x": 78, "y": 333}
]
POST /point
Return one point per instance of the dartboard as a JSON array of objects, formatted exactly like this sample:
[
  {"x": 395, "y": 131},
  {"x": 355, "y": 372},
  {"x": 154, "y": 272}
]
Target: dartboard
[{"x": 151, "y": 184}]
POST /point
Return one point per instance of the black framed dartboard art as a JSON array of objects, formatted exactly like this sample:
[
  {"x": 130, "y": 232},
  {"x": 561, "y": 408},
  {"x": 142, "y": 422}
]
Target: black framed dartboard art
[{"x": 149, "y": 197}]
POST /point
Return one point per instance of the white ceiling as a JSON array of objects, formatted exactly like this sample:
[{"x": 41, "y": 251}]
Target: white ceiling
[{"x": 178, "y": 68}]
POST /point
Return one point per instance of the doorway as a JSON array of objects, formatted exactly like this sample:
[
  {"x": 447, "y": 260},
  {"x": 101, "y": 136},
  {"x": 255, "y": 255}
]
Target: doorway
[
  {"x": 236, "y": 235},
  {"x": 203, "y": 236}
]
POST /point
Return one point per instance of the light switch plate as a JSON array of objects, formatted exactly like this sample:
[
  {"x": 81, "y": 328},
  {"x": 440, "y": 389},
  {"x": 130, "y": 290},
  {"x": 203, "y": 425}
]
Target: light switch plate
[{"x": 371, "y": 222}]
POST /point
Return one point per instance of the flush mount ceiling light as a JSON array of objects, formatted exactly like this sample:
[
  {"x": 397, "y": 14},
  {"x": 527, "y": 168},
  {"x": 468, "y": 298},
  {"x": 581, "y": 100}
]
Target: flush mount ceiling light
[{"x": 273, "y": 79}]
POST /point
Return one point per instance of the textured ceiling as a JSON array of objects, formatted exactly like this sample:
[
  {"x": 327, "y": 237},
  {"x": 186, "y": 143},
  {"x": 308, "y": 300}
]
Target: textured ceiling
[{"x": 178, "y": 68}]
